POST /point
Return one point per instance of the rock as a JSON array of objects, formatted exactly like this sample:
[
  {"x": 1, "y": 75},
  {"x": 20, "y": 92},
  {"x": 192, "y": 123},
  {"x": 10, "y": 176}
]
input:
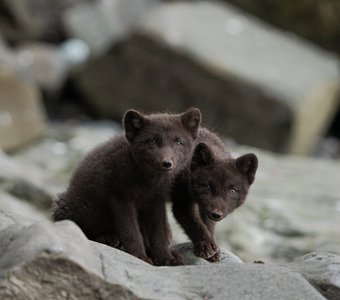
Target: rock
[
  {"x": 6, "y": 57},
  {"x": 321, "y": 270},
  {"x": 32, "y": 177},
  {"x": 25, "y": 190},
  {"x": 292, "y": 209},
  {"x": 39, "y": 19},
  {"x": 316, "y": 20},
  {"x": 13, "y": 205},
  {"x": 22, "y": 118},
  {"x": 41, "y": 64},
  {"x": 186, "y": 251},
  {"x": 101, "y": 23},
  {"x": 241, "y": 72},
  {"x": 43, "y": 260}
]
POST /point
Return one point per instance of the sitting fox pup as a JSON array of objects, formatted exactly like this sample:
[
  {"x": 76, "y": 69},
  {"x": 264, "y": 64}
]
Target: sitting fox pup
[
  {"x": 210, "y": 189},
  {"x": 118, "y": 192}
]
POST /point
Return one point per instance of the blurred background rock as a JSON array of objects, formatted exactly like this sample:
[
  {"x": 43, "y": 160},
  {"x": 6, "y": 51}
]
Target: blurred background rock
[{"x": 264, "y": 73}]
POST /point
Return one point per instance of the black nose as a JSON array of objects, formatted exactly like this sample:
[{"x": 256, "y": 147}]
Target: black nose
[
  {"x": 167, "y": 164},
  {"x": 216, "y": 215}
]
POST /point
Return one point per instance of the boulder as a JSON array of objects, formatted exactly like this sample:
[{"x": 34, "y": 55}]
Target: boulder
[
  {"x": 42, "y": 260},
  {"x": 38, "y": 19},
  {"x": 41, "y": 64},
  {"x": 102, "y": 23},
  {"x": 22, "y": 118},
  {"x": 321, "y": 270},
  {"x": 315, "y": 20},
  {"x": 254, "y": 83}
]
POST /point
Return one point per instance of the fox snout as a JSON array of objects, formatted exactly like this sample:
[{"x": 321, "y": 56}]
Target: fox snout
[
  {"x": 167, "y": 164},
  {"x": 216, "y": 215}
]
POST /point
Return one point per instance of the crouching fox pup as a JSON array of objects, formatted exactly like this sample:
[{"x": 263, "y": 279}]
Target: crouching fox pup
[
  {"x": 211, "y": 187},
  {"x": 118, "y": 192}
]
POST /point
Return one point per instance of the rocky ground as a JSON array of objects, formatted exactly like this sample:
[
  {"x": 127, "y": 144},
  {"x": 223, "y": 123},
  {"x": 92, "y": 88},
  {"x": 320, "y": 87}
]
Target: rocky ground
[
  {"x": 69, "y": 62},
  {"x": 42, "y": 260},
  {"x": 293, "y": 207}
]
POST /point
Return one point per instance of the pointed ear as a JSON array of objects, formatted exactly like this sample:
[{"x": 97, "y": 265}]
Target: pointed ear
[
  {"x": 191, "y": 120},
  {"x": 202, "y": 156},
  {"x": 133, "y": 122},
  {"x": 247, "y": 165}
]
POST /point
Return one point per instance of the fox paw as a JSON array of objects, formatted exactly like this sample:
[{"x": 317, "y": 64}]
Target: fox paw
[
  {"x": 207, "y": 250},
  {"x": 109, "y": 240},
  {"x": 172, "y": 259}
]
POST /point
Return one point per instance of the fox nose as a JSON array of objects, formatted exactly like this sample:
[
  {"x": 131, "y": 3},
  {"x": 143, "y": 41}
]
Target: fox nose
[
  {"x": 167, "y": 164},
  {"x": 216, "y": 215}
]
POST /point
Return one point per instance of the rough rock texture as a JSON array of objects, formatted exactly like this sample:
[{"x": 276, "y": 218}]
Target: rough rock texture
[
  {"x": 256, "y": 84},
  {"x": 22, "y": 118},
  {"x": 322, "y": 270},
  {"x": 314, "y": 20},
  {"x": 101, "y": 23},
  {"x": 47, "y": 261}
]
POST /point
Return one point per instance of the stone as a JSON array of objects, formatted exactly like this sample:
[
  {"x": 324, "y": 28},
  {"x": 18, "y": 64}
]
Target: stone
[
  {"x": 39, "y": 19},
  {"x": 22, "y": 208},
  {"x": 7, "y": 58},
  {"x": 321, "y": 270},
  {"x": 254, "y": 83},
  {"x": 292, "y": 208},
  {"x": 22, "y": 118},
  {"x": 186, "y": 251},
  {"x": 42, "y": 260},
  {"x": 316, "y": 20},
  {"x": 102, "y": 23},
  {"x": 41, "y": 64}
]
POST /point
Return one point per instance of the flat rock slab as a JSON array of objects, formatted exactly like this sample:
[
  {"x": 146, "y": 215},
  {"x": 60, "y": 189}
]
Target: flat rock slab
[
  {"x": 22, "y": 118},
  {"x": 44, "y": 260},
  {"x": 261, "y": 86}
]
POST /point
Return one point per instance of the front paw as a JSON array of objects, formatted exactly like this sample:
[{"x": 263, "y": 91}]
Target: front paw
[
  {"x": 109, "y": 240},
  {"x": 145, "y": 258},
  {"x": 207, "y": 250},
  {"x": 173, "y": 259}
]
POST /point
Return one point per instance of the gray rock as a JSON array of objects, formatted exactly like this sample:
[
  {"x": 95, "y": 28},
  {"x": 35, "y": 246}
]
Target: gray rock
[
  {"x": 22, "y": 118},
  {"x": 41, "y": 64},
  {"x": 47, "y": 261},
  {"x": 36, "y": 19},
  {"x": 101, "y": 23},
  {"x": 322, "y": 270},
  {"x": 7, "y": 58},
  {"x": 186, "y": 251},
  {"x": 292, "y": 209},
  {"x": 309, "y": 20},
  {"x": 256, "y": 84},
  {"x": 12, "y": 204}
]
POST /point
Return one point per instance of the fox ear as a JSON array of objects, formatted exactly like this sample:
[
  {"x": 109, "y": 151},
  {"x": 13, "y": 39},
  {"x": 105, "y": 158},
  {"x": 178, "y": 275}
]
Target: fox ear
[
  {"x": 191, "y": 120},
  {"x": 133, "y": 122},
  {"x": 202, "y": 156},
  {"x": 247, "y": 165}
]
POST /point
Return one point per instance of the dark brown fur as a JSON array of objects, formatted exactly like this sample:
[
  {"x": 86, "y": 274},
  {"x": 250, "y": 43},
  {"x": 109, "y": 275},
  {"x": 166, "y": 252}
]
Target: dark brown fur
[
  {"x": 118, "y": 192},
  {"x": 209, "y": 189}
]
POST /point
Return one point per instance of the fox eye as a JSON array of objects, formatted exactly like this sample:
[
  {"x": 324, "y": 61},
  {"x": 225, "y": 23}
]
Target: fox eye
[
  {"x": 178, "y": 142},
  {"x": 205, "y": 186},
  {"x": 151, "y": 141}
]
